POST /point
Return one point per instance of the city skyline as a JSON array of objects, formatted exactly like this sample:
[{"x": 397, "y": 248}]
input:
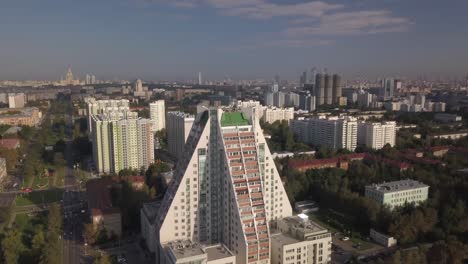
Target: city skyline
[{"x": 248, "y": 39}]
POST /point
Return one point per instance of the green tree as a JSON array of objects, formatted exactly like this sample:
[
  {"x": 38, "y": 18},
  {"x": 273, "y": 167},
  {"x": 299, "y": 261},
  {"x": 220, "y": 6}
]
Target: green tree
[
  {"x": 103, "y": 259},
  {"x": 12, "y": 246}
]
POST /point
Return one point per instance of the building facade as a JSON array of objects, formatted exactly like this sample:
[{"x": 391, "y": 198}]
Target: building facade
[
  {"x": 121, "y": 141},
  {"x": 158, "y": 115},
  {"x": 16, "y": 100},
  {"x": 226, "y": 193},
  {"x": 178, "y": 129},
  {"x": 273, "y": 114},
  {"x": 376, "y": 135},
  {"x": 332, "y": 132},
  {"x": 398, "y": 193}
]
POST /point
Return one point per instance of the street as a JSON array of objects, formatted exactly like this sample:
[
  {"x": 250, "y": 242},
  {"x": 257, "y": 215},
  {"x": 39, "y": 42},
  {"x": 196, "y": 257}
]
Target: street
[{"x": 73, "y": 204}]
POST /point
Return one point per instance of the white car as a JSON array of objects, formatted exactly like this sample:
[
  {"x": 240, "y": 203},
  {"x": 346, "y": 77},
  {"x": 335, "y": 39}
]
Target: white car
[{"x": 345, "y": 239}]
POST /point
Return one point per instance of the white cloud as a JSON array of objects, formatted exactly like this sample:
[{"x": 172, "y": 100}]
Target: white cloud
[{"x": 352, "y": 23}]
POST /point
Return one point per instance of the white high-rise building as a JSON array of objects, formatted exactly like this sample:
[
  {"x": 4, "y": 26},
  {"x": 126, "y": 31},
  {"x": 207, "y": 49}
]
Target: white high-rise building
[
  {"x": 158, "y": 115},
  {"x": 138, "y": 86},
  {"x": 226, "y": 202},
  {"x": 96, "y": 107},
  {"x": 273, "y": 114},
  {"x": 377, "y": 135},
  {"x": 333, "y": 132},
  {"x": 178, "y": 129},
  {"x": 16, "y": 100},
  {"x": 200, "y": 80},
  {"x": 121, "y": 140}
]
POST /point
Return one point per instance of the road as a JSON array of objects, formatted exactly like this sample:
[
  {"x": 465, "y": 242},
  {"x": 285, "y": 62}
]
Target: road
[{"x": 73, "y": 205}]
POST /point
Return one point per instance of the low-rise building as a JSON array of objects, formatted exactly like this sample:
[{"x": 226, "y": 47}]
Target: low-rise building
[
  {"x": 103, "y": 213},
  {"x": 452, "y": 135},
  {"x": 398, "y": 193},
  {"x": 3, "y": 169},
  {"x": 10, "y": 143},
  {"x": 384, "y": 240},
  {"x": 28, "y": 116},
  {"x": 340, "y": 162},
  {"x": 296, "y": 239},
  {"x": 447, "y": 118}
]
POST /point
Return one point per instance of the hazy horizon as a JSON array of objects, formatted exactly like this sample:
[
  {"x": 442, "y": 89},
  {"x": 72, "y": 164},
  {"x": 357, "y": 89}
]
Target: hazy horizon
[{"x": 243, "y": 39}]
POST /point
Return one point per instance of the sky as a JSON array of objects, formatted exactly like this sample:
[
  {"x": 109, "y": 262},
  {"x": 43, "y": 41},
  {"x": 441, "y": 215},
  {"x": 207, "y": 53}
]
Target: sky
[{"x": 240, "y": 39}]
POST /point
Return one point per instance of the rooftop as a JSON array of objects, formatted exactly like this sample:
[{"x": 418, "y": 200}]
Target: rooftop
[
  {"x": 397, "y": 186},
  {"x": 99, "y": 198},
  {"x": 217, "y": 252},
  {"x": 234, "y": 119},
  {"x": 284, "y": 239},
  {"x": 184, "y": 249}
]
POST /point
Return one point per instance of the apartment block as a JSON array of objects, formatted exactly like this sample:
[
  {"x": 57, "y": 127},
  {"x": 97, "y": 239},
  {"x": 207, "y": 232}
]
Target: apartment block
[
  {"x": 376, "y": 135},
  {"x": 225, "y": 195},
  {"x": 398, "y": 193},
  {"x": 16, "y": 100},
  {"x": 158, "y": 115},
  {"x": 298, "y": 240},
  {"x": 273, "y": 114},
  {"x": 121, "y": 140},
  {"x": 332, "y": 132},
  {"x": 96, "y": 107},
  {"x": 179, "y": 125}
]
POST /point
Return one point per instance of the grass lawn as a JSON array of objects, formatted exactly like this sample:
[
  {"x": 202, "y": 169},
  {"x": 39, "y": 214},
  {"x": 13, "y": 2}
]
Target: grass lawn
[
  {"x": 59, "y": 179},
  {"x": 41, "y": 182},
  {"x": 48, "y": 196}
]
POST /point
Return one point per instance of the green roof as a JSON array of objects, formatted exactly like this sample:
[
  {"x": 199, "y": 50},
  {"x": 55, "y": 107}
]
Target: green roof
[{"x": 234, "y": 119}]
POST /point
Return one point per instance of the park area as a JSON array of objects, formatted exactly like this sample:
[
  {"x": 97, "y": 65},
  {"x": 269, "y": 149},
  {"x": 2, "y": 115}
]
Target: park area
[{"x": 39, "y": 197}]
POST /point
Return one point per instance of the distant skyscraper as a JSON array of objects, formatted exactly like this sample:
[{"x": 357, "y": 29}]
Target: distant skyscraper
[
  {"x": 277, "y": 79},
  {"x": 200, "y": 80},
  {"x": 178, "y": 129},
  {"x": 388, "y": 88},
  {"x": 138, "y": 86},
  {"x": 328, "y": 89},
  {"x": 158, "y": 115},
  {"x": 319, "y": 89},
  {"x": 337, "y": 89},
  {"x": 313, "y": 72},
  {"x": 93, "y": 79},
  {"x": 88, "y": 79}
]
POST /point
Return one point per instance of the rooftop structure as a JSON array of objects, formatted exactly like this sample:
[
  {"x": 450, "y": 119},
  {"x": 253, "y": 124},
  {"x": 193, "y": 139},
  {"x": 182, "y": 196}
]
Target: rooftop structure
[{"x": 234, "y": 119}]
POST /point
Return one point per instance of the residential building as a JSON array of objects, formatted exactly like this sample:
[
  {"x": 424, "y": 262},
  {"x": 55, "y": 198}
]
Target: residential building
[
  {"x": 398, "y": 193},
  {"x": 121, "y": 141},
  {"x": 16, "y": 100},
  {"x": 225, "y": 193},
  {"x": 376, "y": 135},
  {"x": 104, "y": 215},
  {"x": 307, "y": 102},
  {"x": 158, "y": 115},
  {"x": 96, "y": 107},
  {"x": 178, "y": 130},
  {"x": 328, "y": 98},
  {"x": 388, "y": 88},
  {"x": 439, "y": 107},
  {"x": 447, "y": 118},
  {"x": 295, "y": 239},
  {"x": 10, "y": 143},
  {"x": 382, "y": 239},
  {"x": 452, "y": 135},
  {"x": 332, "y": 132},
  {"x": 340, "y": 162},
  {"x": 273, "y": 114},
  {"x": 28, "y": 116},
  {"x": 3, "y": 169},
  {"x": 337, "y": 89}
]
